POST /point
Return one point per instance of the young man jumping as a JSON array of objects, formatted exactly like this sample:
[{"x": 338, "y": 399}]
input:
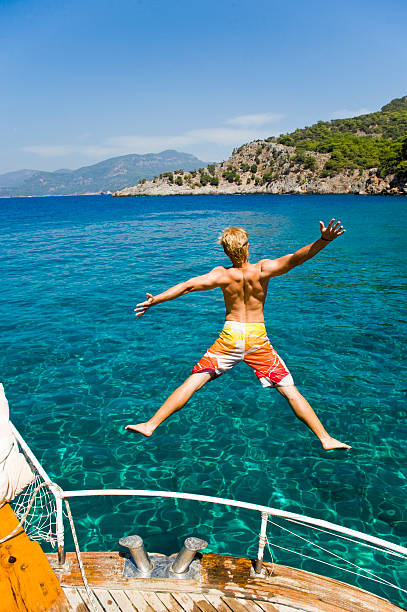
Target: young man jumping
[{"x": 243, "y": 337}]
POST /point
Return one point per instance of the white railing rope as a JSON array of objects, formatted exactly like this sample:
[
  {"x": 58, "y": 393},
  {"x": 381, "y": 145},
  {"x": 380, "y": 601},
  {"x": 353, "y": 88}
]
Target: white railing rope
[{"x": 306, "y": 520}]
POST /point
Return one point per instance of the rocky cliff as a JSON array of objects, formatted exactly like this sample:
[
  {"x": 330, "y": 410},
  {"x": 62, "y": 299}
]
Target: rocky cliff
[{"x": 269, "y": 167}]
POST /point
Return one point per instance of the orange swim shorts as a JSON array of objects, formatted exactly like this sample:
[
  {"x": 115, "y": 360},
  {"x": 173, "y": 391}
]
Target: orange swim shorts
[{"x": 246, "y": 342}]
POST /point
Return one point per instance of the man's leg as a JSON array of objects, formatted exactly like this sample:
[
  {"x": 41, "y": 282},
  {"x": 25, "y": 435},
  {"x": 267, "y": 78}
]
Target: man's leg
[
  {"x": 176, "y": 400},
  {"x": 305, "y": 413}
]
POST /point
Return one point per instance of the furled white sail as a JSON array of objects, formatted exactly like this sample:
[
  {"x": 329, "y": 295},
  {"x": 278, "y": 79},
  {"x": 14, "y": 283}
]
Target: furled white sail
[{"x": 15, "y": 472}]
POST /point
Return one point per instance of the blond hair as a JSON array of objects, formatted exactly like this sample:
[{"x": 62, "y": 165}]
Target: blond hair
[{"x": 235, "y": 242}]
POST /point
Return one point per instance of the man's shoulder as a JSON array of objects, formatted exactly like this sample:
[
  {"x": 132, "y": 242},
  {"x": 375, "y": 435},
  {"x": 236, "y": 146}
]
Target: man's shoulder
[
  {"x": 263, "y": 262},
  {"x": 266, "y": 267},
  {"x": 220, "y": 273},
  {"x": 218, "y": 270}
]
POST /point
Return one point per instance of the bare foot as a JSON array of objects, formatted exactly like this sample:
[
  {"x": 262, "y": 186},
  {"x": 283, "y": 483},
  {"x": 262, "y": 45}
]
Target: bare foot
[
  {"x": 332, "y": 444},
  {"x": 142, "y": 428}
]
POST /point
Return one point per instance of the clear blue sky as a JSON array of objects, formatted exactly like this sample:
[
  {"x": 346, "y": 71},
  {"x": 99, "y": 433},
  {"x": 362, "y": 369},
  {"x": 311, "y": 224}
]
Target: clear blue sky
[{"x": 83, "y": 80}]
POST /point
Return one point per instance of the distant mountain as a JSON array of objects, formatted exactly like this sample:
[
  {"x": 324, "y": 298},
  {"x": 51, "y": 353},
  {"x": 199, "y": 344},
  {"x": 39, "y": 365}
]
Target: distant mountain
[
  {"x": 109, "y": 175},
  {"x": 14, "y": 179}
]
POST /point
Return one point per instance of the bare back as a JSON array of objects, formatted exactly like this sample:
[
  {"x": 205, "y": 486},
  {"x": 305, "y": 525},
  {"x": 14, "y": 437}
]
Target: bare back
[
  {"x": 245, "y": 285},
  {"x": 244, "y": 290}
]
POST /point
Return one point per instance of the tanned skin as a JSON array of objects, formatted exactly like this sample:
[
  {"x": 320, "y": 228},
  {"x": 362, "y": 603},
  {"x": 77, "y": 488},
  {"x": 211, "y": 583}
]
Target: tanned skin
[{"x": 244, "y": 286}]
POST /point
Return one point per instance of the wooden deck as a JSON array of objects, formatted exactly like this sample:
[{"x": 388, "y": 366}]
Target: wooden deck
[
  {"x": 225, "y": 584},
  {"x": 128, "y": 600}
]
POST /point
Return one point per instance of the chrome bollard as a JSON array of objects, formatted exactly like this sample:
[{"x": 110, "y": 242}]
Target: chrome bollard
[
  {"x": 187, "y": 554},
  {"x": 140, "y": 557}
]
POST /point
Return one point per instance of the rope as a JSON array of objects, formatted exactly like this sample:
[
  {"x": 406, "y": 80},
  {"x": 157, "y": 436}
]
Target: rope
[
  {"x": 342, "y": 569},
  {"x": 94, "y": 606},
  {"x": 24, "y": 517},
  {"x": 337, "y": 535},
  {"x": 271, "y": 571},
  {"x": 372, "y": 575}
]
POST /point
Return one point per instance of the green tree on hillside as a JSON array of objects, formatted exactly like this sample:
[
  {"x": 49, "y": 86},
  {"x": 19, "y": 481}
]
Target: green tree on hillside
[
  {"x": 231, "y": 176},
  {"x": 374, "y": 140}
]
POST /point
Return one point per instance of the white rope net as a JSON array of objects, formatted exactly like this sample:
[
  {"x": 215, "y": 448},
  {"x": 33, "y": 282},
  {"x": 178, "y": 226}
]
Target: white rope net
[{"x": 40, "y": 523}]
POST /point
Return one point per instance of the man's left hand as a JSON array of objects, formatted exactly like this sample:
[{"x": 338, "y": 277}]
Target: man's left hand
[{"x": 332, "y": 231}]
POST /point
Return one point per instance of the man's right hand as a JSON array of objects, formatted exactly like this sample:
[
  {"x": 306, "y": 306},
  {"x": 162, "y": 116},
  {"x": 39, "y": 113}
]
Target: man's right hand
[{"x": 144, "y": 306}]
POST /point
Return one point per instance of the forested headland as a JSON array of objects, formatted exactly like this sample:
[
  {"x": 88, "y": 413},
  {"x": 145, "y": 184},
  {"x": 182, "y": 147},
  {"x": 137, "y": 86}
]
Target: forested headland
[
  {"x": 366, "y": 154},
  {"x": 375, "y": 140}
]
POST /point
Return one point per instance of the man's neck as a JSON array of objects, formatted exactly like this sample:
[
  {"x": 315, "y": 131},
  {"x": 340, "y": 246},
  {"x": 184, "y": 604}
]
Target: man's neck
[{"x": 240, "y": 264}]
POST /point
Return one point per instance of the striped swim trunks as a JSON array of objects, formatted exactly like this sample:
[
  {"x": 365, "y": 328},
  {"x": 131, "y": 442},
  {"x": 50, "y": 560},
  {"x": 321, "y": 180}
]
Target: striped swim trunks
[{"x": 246, "y": 342}]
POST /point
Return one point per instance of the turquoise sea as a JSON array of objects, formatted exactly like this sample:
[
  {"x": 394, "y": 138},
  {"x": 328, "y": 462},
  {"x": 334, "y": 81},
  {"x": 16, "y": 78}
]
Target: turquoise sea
[{"x": 77, "y": 366}]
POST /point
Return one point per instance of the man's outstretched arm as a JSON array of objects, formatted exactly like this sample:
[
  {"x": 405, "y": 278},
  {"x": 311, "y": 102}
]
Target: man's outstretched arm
[
  {"x": 282, "y": 265},
  {"x": 198, "y": 283}
]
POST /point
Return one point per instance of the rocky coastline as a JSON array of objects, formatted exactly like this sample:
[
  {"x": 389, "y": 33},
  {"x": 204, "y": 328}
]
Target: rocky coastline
[{"x": 268, "y": 167}]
